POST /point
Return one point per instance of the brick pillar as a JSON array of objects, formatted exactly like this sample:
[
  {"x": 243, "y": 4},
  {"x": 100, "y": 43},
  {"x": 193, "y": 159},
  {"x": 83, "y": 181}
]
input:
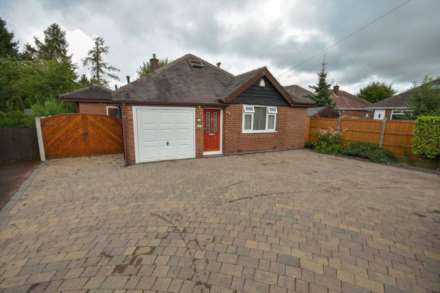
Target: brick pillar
[
  {"x": 127, "y": 124},
  {"x": 199, "y": 132}
]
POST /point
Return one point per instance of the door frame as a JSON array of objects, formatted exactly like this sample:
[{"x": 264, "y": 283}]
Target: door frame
[{"x": 219, "y": 152}]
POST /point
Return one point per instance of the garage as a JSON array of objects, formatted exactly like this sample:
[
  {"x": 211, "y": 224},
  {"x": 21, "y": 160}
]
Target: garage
[{"x": 164, "y": 133}]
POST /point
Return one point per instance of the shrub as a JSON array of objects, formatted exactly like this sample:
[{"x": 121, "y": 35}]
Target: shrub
[
  {"x": 328, "y": 143},
  {"x": 426, "y": 141},
  {"x": 48, "y": 107},
  {"x": 16, "y": 119},
  {"x": 369, "y": 151}
]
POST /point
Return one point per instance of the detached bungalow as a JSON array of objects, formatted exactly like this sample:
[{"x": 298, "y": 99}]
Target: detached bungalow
[
  {"x": 191, "y": 108},
  {"x": 93, "y": 100},
  {"x": 398, "y": 106},
  {"x": 346, "y": 104}
]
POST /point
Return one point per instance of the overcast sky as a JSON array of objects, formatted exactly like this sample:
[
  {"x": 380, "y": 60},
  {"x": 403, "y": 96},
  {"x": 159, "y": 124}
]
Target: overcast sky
[{"x": 290, "y": 37}]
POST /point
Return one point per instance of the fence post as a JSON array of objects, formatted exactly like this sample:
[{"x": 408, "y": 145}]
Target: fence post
[
  {"x": 40, "y": 138},
  {"x": 382, "y": 132},
  {"x": 338, "y": 123}
]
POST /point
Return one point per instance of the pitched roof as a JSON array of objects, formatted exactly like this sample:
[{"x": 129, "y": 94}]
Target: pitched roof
[
  {"x": 93, "y": 93},
  {"x": 401, "y": 100},
  {"x": 300, "y": 93},
  {"x": 180, "y": 82},
  {"x": 345, "y": 100}
]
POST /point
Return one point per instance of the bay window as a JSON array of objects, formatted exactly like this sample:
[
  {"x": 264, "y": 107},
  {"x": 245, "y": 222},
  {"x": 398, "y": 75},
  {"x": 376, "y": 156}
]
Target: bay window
[{"x": 259, "y": 119}]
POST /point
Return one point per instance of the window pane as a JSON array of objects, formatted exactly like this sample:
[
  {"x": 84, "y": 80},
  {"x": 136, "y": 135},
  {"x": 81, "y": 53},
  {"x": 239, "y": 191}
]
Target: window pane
[
  {"x": 207, "y": 122},
  {"x": 260, "y": 118},
  {"x": 247, "y": 121},
  {"x": 214, "y": 122},
  {"x": 271, "y": 122}
]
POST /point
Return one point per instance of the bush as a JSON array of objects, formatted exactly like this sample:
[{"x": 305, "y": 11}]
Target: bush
[
  {"x": 426, "y": 141},
  {"x": 48, "y": 107},
  {"x": 16, "y": 119},
  {"x": 328, "y": 143},
  {"x": 369, "y": 151}
]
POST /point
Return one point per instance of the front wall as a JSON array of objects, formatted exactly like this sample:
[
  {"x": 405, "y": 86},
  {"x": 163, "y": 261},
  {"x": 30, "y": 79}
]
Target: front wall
[
  {"x": 92, "y": 108},
  {"x": 290, "y": 132}
]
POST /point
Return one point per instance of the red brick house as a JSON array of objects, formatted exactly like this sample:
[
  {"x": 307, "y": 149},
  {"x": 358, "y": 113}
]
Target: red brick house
[
  {"x": 191, "y": 108},
  {"x": 93, "y": 100}
]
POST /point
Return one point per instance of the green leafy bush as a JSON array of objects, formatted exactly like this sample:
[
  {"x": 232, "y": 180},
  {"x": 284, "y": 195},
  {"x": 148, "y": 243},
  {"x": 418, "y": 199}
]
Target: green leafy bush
[
  {"x": 426, "y": 141},
  {"x": 48, "y": 107},
  {"x": 369, "y": 151},
  {"x": 16, "y": 119},
  {"x": 328, "y": 143}
]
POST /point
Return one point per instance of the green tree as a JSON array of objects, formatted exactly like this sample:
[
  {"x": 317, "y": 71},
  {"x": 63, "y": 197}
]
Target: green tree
[
  {"x": 376, "y": 91},
  {"x": 24, "y": 83},
  {"x": 98, "y": 67},
  {"x": 145, "y": 69},
  {"x": 425, "y": 99},
  {"x": 8, "y": 47},
  {"x": 54, "y": 45},
  {"x": 28, "y": 53},
  {"x": 321, "y": 91},
  {"x": 83, "y": 81}
]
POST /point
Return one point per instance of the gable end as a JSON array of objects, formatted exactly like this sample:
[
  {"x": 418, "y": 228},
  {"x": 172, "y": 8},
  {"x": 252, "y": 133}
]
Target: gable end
[{"x": 258, "y": 95}]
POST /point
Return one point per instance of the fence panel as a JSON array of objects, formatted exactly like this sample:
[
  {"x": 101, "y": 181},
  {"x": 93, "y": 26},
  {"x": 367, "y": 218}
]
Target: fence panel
[
  {"x": 18, "y": 144},
  {"x": 398, "y": 137},
  {"x": 397, "y": 134},
  {"x": 69, "y": 135}
]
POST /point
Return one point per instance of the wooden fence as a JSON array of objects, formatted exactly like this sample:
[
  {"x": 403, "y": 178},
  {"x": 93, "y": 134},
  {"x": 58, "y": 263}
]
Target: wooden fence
[
  {"x": 18, "y": 144},
  {"x": 394, "y": 135},
  {"x": 68, "y": 135}
]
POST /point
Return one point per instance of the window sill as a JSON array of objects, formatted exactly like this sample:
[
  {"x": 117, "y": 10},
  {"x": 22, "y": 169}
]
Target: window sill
[{"x": 258, "y": 131}]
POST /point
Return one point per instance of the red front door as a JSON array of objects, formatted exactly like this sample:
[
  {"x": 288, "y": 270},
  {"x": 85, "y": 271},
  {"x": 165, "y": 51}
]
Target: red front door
[{"x": 212, "y": 130}]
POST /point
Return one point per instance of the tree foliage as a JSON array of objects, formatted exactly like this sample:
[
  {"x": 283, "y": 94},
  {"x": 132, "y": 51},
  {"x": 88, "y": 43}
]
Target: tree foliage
[
  {"x": 24, "y": 83},
  {"x": 8, "y": 47},
  {"x": 321, "y": 91},
  {"x": 145, "y": 69},
  {"x": 376, "y": 91},
  {"x": 98, "y": 67},
  {"x": 425, "y": 99}
]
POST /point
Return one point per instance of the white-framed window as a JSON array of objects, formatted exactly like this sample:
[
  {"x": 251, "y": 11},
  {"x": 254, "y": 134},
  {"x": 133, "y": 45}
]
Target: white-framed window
[
  {"x": 113, "y": 111},
  {"x": 262, "y": 83},
  {"x": 258, "y": 119},
  {"x": 401, "y": 114}
]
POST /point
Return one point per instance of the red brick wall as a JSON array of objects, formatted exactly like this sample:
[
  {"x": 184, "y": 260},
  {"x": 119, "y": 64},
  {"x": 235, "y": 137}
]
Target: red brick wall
[
  {"x": 290, "y": 132},
  {"x": 92, "y": 108},
  {"x": 127, "y": 124}
]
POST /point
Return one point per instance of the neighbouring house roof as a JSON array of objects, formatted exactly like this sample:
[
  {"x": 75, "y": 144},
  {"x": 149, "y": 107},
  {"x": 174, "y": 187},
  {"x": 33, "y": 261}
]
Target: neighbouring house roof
[
  {"x": 94, "y": 93},
  {"x": 301, "y": 93},
  {"x": 400, "y": 101},
  {"x": 193, "y": 81},
  {"x": 346, "y": 101}
]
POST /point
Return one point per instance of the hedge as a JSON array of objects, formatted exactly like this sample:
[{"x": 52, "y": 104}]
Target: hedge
[
  {"x": 426, "y": 141},
  {"x": 16, "y": 119}
]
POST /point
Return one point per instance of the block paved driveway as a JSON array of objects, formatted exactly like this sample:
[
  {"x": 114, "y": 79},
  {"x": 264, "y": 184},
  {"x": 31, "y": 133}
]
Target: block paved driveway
[{"x": 291, "y": 221}]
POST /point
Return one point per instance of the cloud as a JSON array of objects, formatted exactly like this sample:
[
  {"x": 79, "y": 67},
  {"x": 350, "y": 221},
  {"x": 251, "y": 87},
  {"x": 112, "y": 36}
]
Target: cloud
[{"x": 290, "y": 37}]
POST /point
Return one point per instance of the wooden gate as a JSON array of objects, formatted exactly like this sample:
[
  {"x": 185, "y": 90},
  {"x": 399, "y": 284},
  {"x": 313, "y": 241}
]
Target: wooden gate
[{"x": 69, "y": 135}]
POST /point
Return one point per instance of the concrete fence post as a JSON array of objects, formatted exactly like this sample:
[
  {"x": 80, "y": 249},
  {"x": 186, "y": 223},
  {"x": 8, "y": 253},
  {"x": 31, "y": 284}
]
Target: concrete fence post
[
  {"x": 338, "y": 122},
  {"x": 40, "y": 139},
  {"x": 382, "y": 132}
]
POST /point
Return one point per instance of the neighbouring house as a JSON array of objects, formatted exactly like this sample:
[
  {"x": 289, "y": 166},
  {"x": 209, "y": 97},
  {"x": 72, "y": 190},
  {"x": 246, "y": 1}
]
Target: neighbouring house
[
  {"x": 94, "y": 99},
  {"x": 396, "y": 107},
  {"x": 346, "y": 104},
  {"x": 190, "y": 108}
]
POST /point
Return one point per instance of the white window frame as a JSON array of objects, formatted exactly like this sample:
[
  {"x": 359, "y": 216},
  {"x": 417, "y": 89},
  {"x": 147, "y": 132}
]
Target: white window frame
[
  {"x": 250, "y": 110},
  {"x": 110, "y": 107},
  {"x": 399, "y": 113}
]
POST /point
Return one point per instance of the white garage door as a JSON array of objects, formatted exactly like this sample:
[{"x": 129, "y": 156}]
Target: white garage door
[{"x": 164, "y": 133}]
